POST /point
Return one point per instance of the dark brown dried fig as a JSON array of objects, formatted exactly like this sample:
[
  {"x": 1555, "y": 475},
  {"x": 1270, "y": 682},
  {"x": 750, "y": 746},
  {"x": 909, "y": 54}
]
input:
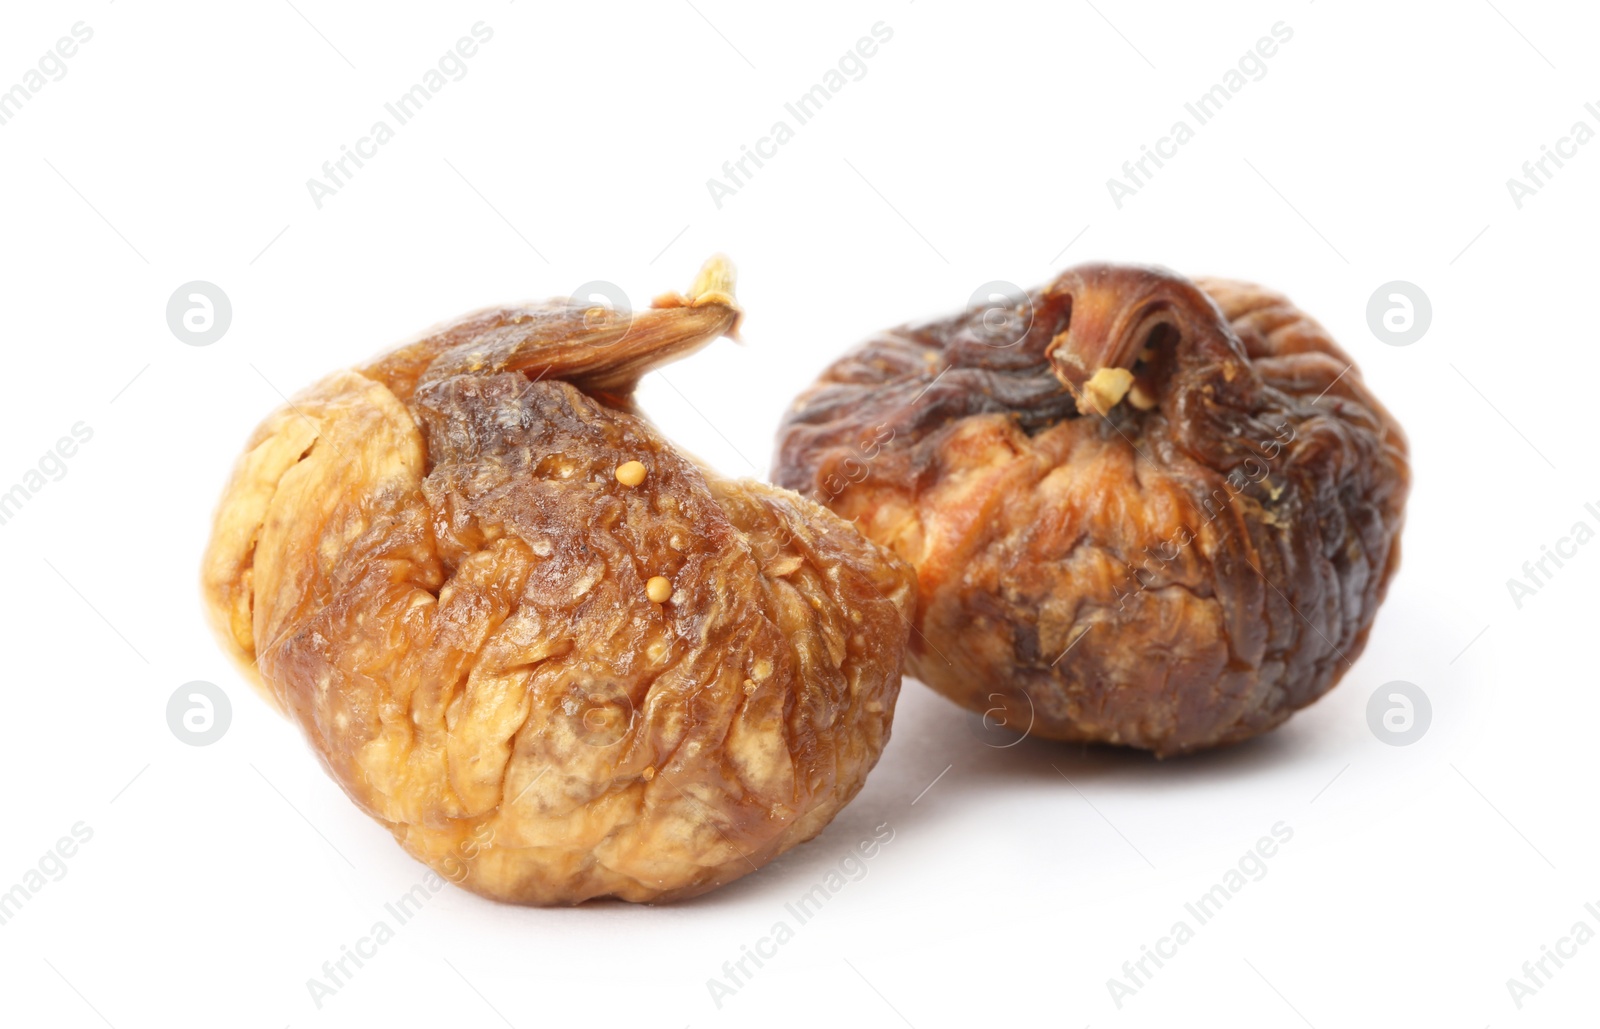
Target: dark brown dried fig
[
  {"x": 555, "y": 657},
  {"x": 1143, "y": 510}
]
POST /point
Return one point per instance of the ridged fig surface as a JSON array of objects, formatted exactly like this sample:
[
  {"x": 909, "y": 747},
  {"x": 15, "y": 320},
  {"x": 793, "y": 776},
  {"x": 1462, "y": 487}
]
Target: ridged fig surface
[
  {"x": 1143, "y": 510},
  {"x": 439, "y": 573}
]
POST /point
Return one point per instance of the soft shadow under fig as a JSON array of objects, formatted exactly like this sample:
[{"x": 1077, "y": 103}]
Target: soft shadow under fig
[{"x": 938, "y": 746}]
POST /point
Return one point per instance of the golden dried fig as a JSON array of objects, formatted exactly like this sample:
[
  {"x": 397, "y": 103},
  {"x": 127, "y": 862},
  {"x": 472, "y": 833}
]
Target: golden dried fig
[
  {"x": 555, "y": 657},
  {"x": 1143, "y": 510}
]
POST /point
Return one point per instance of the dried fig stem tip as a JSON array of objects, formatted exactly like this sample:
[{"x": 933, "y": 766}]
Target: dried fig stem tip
[
  {"x": 1115, "y": 312},
  {"x": 1104, "y": 390},
  {"x": 673, "y": 327},
  {"x": 712, "y": 286}
]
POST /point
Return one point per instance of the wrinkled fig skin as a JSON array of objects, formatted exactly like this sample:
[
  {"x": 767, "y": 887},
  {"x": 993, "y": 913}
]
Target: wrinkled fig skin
[
  {"x": 1213, "y": 547},
  {"x": 435, "y": 569}
]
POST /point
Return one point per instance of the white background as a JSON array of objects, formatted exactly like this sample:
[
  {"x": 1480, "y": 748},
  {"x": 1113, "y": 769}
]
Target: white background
[{"x": 977, "y": 147}]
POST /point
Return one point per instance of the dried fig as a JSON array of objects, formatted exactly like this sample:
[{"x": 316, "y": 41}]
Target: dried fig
[
  {"x": 555, "y": 657},
  {"x": 1143, "y": 510}
]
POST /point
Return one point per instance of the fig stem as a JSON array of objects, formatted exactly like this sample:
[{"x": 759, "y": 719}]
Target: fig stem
[
  {"x": 712, "y": 286},
  {"x": 1114, "y": 313}
]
